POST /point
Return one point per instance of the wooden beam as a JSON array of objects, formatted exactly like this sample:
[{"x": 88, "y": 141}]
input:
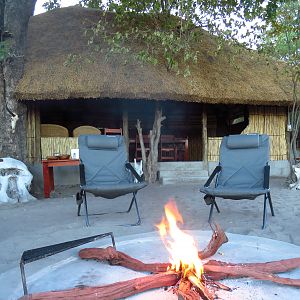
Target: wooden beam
[
  {"x": 33, "y": 133},
  {"x": 204, "y": 137},
  {"x": 125, "y": 129}
]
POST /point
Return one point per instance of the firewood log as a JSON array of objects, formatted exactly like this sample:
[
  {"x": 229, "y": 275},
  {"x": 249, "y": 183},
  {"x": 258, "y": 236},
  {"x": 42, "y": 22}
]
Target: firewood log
[
  {"x": 217, "y": 240},
  {"x": 113, "y": 291},
  {"x": 118, "y": 258}
]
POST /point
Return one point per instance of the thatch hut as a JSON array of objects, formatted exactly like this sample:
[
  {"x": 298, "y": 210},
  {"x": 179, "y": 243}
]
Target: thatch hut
[{"x": 219, "y": 97}]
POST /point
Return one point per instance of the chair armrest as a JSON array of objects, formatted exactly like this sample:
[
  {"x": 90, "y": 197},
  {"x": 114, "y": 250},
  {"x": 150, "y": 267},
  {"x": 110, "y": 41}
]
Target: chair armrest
[
  {"x": 211, "y": 177},
  {"x": 134, "y": 172},
  {"x": 82, "y": 174},
  {"x": 267, "y": 176}
]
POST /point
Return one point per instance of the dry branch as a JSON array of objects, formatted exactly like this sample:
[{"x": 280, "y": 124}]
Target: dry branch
[
  {"x": 217, "y": 270},
  {"x": 115, "y": 257},
  {"x": 217, "y": 240},
  {"x": 112, "y": 291},
  {"x": 150, "y": 162},
  {"x": 214, "y": 269},
  {"x": 185, "y": 292},
  {"x": 204, "y": 292},
  {"x": 118, "y": 258},
  {"x": 242, "y": 271}
]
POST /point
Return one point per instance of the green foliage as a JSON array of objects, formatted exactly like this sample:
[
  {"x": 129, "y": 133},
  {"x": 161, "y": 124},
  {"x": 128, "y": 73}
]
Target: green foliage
[
  {"x": 167, "y": 31},
  {"x": 282, "y": 41},
  {"x": 51, "y": 4},
  {"x": 160, "y": 36}
]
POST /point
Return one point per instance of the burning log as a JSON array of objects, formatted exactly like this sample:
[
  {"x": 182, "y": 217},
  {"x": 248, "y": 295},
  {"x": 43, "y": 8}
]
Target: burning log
[
  {"x": 185, "y": 291},
  {"x": 203, "y": 291},
  {"x": 215, "y": 270},
  {"x": 218, "y": 270},
  {"x": 278, "y": 266},
  {"x": 217, "y": 240},
  {"x": 113, "y": 291},
  {"x": 117, "y": 258}
]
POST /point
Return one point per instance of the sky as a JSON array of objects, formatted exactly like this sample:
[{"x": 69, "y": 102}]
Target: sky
[{"x": 39, "y": 5}]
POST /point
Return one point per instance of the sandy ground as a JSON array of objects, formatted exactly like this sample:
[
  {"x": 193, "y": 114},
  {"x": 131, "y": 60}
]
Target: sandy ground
[{"x": 48, "y": 221}]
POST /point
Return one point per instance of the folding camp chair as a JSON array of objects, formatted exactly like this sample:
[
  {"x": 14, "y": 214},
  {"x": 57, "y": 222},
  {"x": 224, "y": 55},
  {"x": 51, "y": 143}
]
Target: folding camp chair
[
  {"x": 243, "y": 172},
  {"x": 105, "y": 172}
]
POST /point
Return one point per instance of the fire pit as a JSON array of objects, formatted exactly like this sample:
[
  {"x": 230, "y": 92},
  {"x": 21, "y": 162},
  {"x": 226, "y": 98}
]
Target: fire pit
[{"x": 73, "y": 272}]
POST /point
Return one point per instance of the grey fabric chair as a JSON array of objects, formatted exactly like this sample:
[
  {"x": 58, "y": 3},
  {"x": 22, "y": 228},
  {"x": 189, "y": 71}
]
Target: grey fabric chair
[
  {"x": 243, "y": 172},
  {"x": 105, "y": 172}
]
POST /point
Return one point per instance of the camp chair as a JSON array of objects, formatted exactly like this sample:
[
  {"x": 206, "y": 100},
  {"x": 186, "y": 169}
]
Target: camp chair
[
  {"x": 243, "y": 172},
  {"x": 105, "y": 172}
]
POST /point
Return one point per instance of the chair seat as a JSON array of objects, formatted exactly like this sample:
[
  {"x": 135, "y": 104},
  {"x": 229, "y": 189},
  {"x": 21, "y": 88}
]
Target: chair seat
[
  {"x": 233, "y": 192},
  {"x": 111, "y": 191}
]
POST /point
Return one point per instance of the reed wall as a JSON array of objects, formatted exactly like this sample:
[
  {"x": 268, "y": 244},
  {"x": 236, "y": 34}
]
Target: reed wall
[
  {"x": 61, "y": 145},
  {"x": 268, "y": 120}
]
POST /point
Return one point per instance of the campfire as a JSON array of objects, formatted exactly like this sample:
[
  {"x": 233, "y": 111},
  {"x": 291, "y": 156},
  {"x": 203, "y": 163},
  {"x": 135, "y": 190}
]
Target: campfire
[
  {"x": 184, "y": 258},
  {"x": 188, "y": 274}
]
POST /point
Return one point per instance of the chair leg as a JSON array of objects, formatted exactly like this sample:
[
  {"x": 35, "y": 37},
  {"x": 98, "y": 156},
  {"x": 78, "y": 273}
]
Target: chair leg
[
  {"x": 87, "y": 223},
  {"x": 78, "y": 210},
  {"x": 137, "y": 211},
  {"x": 210, "y": 212},
  {"x": 79, "y": 201},
  {"x": 265, "y": 212},
  {"x": 131, "y": 203},
  {"x": 215, "y": 203},
  {"x": 271, "y": 205}
]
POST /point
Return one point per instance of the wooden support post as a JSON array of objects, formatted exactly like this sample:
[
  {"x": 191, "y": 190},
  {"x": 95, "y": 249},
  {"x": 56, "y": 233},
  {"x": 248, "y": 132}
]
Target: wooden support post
[
  {"x": 33, "y": 133},
  {"x": 126, "y": 130},
  {"x": 204, "y": 137}
]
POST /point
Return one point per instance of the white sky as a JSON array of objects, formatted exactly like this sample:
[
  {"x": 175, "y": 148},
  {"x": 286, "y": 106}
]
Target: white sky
[{"x": 39, "y": 5}]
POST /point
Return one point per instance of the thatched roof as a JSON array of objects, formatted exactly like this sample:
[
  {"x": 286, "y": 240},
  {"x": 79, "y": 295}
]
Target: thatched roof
[{"x": 54, "y": 35}]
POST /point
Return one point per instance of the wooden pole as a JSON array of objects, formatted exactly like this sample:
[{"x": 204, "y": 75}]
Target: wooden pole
[
  {"x": 33, "y": 133},
  {"x": 38, "y": 154},
  {"x": 126, "y": 130},
  {"x": 204, "y": 137}
]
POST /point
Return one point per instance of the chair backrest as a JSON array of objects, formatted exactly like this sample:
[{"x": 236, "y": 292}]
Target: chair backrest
[
  {"x": 104, "y": 158},
  {"x": 113, "y": 131},
  {"x": 167, "y": 138},
  {"x": 85, "y": 130},
  {"x": 243, "y": 158},
  {"x": 53, "y": 130}
]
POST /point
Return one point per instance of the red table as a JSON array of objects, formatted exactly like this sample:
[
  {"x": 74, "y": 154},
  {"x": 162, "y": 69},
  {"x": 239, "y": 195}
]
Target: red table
[{"x": 48, "y": 172}]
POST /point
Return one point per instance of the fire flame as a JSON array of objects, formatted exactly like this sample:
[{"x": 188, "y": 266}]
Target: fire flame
[{"x": 181, "y": 246}]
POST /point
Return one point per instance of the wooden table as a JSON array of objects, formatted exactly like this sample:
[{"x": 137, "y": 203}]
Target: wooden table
[
  {"x": 48, "y": 172},
  {"x": 181, "y": 144}
]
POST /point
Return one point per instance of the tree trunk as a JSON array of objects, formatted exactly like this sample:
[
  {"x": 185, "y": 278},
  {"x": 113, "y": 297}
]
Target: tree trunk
[
  {"x": 294, "y": 116},
  {"x": 150, "y": 162},
  {"x": 15, "y": 17}
]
